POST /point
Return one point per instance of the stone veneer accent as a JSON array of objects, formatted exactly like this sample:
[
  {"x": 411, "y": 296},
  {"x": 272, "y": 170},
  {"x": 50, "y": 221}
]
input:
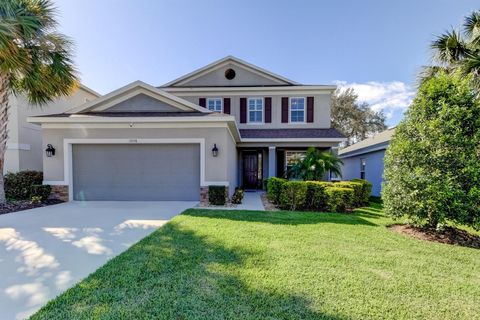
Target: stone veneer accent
[
  {"x": 203, "y": 196},
  {"x": 60, "y": 192}
]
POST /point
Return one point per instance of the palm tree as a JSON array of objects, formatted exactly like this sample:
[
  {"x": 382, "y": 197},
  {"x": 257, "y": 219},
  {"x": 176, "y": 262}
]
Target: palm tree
[
  {"x": 457, "y": 51},
  {"x": 35, "y": 60},
  {"x": 315, "y": 165}
]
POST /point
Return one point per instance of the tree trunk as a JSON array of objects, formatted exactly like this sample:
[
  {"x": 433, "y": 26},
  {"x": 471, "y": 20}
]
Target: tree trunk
[{"x": 4, "y": 93}]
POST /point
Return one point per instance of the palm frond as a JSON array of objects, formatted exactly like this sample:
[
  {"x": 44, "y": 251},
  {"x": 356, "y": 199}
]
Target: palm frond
[
  {"x": 472, "y": 27},
  {"x": 37, "y": 59},
  {"x": 449, "y": 48}
]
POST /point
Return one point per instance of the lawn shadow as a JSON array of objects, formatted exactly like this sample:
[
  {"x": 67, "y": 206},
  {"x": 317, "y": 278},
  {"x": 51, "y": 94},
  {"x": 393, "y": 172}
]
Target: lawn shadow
[
  {"x": 281, "y": 217},
  {"x": 177, "y": 274},
  {"x": 369, "y": 212}
]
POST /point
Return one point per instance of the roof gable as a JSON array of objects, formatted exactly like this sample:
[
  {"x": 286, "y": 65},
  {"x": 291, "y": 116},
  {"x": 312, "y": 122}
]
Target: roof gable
[
  {"x": 378, "y": 141},
  {"x": 138, "y": 97},
  {"x": 214, "y": 74},
  {"x": 142, "y": 103}
]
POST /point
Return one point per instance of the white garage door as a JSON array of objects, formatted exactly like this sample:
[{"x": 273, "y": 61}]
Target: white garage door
[{"x": 140, "y": 172}]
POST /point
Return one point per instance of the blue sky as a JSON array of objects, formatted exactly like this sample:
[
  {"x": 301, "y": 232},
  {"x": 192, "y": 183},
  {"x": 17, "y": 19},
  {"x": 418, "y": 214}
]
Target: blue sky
[{"x": 375, "y": 46}]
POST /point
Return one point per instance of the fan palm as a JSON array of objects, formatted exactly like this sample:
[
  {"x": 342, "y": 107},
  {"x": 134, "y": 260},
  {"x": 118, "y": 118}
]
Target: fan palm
[
  {"x": 35, "y": 60},
  {"x": 315, "y": 165},
  {"x": 457, "y": 51}
]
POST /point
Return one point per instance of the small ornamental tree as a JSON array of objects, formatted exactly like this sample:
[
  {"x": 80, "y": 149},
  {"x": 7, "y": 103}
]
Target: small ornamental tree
[
  {"x": 432, "y": 166},
  {"x": 315, "y": 165}
]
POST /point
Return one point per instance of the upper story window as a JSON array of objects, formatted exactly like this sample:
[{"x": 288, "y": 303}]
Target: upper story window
[
  {"x": 215, "y": 104},
  {"x": 255, "y": 110},
  {"x": 297, "y": 110}
]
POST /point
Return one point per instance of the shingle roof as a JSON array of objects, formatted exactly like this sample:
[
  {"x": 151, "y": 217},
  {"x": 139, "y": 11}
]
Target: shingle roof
[
  {"x": 383, "y": 138},
  {"x": 289, "y": 133},
  {"x": 131, "y": 114}
]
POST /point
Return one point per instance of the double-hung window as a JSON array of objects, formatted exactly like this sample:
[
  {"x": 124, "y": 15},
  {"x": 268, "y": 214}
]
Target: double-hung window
[
  {"x": 215, "y": 104},
  {"x": 255, "y": 110},
  {"x": 363, "y": 164},
  {"x": 297, "y": 110}
]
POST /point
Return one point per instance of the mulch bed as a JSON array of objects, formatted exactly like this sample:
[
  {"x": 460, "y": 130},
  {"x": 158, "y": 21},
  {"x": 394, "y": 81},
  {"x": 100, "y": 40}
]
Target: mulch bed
[
  {"x": 267, "y": 204},
  {"x": 449, "y": 235},
  {"x": 21, "y": 205}
]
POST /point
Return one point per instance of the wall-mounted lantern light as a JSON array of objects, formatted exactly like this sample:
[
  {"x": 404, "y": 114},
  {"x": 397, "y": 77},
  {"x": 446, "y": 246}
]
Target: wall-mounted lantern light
[
  {"x": 50, "y": 151},
  {"x": 214, "y": 150}
]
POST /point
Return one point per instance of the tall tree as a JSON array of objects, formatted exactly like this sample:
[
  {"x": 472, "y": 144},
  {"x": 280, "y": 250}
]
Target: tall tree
[
  {"x": 432, "y": 166},
  {"x": 457, "y": 50},
  {"x": 35, "y": 60},
  {"x": 356, "y": 120}
]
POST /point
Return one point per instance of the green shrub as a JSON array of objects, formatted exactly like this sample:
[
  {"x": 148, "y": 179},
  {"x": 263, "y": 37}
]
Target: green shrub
[
  {"x": 274, "y": 189},
  {"x": 237, "y": 196},
  {"x": 316, "y": 198},
  {"x": 432, "y": 167},
  {"x": 41, "y": 191},
  {"x": 358, "y": 195},
  {"x": 36, "y": 200},
  {"x": 217, "y": 195},
  {"x": 375, "y": 199},
  {"x": 292, "y": 196},
  {"x": 367, "y": 190},
  {"x": 18, "y": 186},
  {"x": 339, "y": 199}
]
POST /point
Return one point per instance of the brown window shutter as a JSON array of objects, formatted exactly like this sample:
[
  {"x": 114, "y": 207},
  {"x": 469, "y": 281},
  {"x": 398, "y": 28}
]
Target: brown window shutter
[
  {"x": 284, "y": 110},
  {"x": 243, "y": 110},
  {"x": 268, "y": 110},
  {"x": 309, "y": 109},
  {"x": 226, "y": 105},
  {"x": 202, "y": 102}
]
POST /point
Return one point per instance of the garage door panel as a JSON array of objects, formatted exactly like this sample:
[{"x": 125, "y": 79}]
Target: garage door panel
[{"x": 136, "y": 172}]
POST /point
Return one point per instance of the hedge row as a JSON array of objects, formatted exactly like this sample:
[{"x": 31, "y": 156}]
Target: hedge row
[{"x": 318, "y": 195}]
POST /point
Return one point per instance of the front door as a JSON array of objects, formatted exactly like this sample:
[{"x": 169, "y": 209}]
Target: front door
[{"x": 250, "y": 170}]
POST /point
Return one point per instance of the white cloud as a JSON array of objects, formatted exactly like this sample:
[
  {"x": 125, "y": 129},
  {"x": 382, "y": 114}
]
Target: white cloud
[{"x": 391, "y": 97}]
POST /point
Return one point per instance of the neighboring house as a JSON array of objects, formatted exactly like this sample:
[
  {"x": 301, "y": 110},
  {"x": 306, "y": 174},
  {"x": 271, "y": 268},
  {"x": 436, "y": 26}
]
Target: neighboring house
[
  {"x": 24, "y": 145},
  {"x": 364, "y": 160},
  {"x": 230, "y": 123}
]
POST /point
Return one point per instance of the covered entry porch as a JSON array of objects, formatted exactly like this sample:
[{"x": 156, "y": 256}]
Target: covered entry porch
[{"x": 258, "y": 163}]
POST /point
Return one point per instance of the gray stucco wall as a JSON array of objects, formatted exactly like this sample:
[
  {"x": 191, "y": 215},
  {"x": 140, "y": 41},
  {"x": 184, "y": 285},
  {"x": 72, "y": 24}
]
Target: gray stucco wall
[
  {"x": 373, "y": 169},
  {"x": 142, "y": 103},
  {"x": 243, "y": 77},
  {"x": 25, "y": 149},
  {"x": 219, "y": 168}
]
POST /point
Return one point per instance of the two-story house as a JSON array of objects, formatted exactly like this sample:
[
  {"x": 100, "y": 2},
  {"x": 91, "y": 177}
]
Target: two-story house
[{"x": 229, "y": 123}]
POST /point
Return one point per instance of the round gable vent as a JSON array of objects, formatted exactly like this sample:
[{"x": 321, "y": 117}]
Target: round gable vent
[{"x": 230, "y": 74}]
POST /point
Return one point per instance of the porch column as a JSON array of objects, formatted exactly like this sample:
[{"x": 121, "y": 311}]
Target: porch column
[{"x": 272, "y": 162}]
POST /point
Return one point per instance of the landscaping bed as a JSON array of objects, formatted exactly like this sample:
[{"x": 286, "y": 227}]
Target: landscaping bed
[
  {"x": 24, "y": 190},
  {"x": 449, "y": 235},
  {"x": 21, "y": 205}
]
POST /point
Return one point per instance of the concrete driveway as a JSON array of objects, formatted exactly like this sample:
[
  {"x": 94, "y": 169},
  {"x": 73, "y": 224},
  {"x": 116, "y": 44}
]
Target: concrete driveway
[{"x": 46, "y": 250}]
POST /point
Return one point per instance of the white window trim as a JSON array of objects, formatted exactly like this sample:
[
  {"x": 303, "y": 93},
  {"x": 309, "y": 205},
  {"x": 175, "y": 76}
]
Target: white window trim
[
  {"x": 304, "y": 110},
  {"x": 248, "y": 110},
  {"x": 215, "y": 98}
]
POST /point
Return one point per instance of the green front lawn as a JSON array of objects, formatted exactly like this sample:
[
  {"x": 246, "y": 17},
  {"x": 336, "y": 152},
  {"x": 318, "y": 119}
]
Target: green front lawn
[{"x": 208, "y": 264}]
